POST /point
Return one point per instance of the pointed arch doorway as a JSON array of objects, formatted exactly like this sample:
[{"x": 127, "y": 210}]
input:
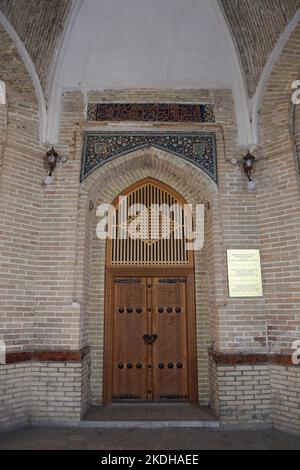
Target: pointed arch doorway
[{"x": 150, "y": 352}]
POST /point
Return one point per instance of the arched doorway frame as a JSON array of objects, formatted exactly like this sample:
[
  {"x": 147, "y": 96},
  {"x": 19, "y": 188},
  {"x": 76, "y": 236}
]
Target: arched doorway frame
[
  {"x": 104, "y": 186},
  {"x": 186, "y": 271}
]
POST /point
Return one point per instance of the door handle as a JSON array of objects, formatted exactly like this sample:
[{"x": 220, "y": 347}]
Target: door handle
[{"x": 150, "y": 339}]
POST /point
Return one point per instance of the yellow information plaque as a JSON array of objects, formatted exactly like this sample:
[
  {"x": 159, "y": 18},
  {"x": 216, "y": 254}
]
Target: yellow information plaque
[{"x": 244, "y": 273}]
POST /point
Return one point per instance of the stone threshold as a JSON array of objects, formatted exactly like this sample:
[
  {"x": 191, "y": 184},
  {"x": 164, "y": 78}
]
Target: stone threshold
[
  {"x": 150, "y": 416},
  {"x": 149, "y": 425}
]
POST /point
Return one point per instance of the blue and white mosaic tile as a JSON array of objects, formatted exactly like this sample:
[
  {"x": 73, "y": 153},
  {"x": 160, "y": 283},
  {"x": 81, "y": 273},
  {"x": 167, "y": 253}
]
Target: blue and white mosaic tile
[{"x": 196, "y": 147}]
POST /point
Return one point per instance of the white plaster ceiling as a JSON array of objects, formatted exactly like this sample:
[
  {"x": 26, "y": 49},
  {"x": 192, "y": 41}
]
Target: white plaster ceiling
[
  {"x": 114, "y": 44},
  {"x": 147, "y": 43}
]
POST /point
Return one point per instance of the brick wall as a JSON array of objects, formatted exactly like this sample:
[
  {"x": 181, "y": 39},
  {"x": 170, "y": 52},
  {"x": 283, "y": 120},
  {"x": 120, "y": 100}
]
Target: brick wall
[
  {"x": 285, "y": 383},
  {"x": 59, "y": 392},
  {"x": 57, "y": 316},
  {"x": 256, "y": 396},
  {"x": 14, "y": 395},
  {"x": 28, "y": 391},
  {"x": 21, "y": 197},
  {"x": 242, "y": 396},
  {"x": 44, "y": 393},
  {"x": 278, "y": 204},
  {"x": 55, "y": 392},
  {"x": 278, "y": 209}
]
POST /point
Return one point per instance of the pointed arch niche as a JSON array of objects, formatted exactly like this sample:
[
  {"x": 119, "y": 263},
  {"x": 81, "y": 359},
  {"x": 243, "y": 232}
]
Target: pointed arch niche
[
  {"x": 153, "y": 251},
  {"x": 104, "y": 186}
]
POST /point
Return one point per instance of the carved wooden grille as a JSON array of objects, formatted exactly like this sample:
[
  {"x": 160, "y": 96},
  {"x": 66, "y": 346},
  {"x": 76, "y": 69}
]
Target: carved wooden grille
[{"x": 153, "y": 250}]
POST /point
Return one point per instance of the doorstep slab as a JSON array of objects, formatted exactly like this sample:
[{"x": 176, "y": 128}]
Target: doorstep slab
[
  {"x": 150, "y": 424},
  {"x": 150, "y": 416}
]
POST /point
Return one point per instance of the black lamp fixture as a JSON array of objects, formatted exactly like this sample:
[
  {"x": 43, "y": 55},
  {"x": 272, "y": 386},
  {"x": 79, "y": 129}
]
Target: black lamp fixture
[
  {"x": 248, "y": 165},
  {"x": 52, "y": 159}
]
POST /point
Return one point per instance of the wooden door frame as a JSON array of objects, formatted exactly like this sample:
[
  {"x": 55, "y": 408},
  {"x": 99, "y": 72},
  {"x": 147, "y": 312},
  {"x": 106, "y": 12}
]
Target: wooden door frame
[{"x": 189, "y": 273}]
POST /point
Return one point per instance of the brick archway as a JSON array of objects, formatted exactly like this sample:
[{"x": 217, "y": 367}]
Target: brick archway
[
  {"x": 150, "y": 322},
  {"x": 104, "y": 186}
]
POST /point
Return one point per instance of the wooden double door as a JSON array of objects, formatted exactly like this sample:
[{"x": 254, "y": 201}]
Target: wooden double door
[{"x": 149, "y": 352}]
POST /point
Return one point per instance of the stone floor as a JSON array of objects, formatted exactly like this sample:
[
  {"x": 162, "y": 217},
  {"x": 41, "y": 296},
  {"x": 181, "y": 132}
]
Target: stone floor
[{"x": 172, "y": 439}]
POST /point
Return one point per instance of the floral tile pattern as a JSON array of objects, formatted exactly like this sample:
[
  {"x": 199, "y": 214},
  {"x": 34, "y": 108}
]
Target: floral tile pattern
[{"x": 196, "y": 147}]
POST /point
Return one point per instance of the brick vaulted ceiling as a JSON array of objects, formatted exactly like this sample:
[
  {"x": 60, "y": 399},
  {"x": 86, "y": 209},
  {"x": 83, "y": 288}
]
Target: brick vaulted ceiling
[
  {"x": 39, "y": 24},
  {"x": 256, "y": 26}
]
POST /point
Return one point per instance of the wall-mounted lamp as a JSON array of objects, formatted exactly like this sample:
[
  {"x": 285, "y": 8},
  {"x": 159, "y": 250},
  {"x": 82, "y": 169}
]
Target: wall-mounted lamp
[
  {"x": 248, "y": 166},
  {"x": 52, "y": 159}
]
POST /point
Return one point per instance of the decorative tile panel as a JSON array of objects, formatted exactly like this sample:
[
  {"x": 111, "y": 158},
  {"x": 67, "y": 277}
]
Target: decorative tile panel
[
  {"x": 150, "y": 112},
  {"x": 196, "y": 147}
]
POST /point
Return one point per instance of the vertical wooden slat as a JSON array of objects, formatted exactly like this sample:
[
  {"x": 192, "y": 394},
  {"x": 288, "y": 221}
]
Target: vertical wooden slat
[
  {"x": 172, "y": 239},
  {"x": 141, "y": 246},
  {"x": 151, "y": 252}
]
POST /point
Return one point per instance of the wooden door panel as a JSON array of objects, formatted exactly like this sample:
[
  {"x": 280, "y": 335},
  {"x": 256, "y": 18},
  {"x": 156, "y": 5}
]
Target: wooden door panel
[
  {"x": 129, "y": 349},
  {"x": 169, "y": 323},
  {"x": 155, "y": 370}
]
